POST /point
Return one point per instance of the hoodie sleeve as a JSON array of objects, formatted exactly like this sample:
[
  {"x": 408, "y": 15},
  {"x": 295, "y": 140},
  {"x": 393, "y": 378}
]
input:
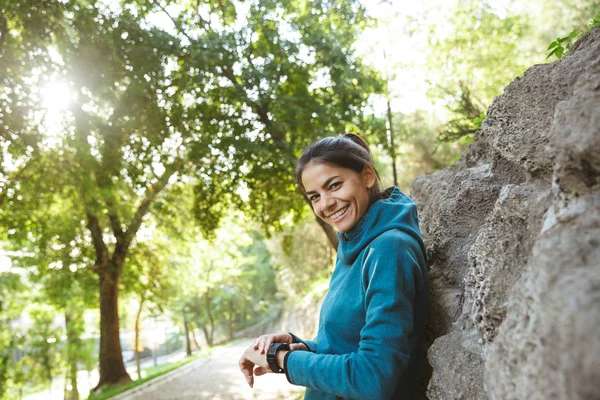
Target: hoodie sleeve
[
  {"x": 311, "y": 345},
  {"x": 391, "y": 280}
]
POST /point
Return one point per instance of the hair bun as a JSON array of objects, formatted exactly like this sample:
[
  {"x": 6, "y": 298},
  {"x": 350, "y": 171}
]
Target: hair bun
[{"x": 358, "y": 140}]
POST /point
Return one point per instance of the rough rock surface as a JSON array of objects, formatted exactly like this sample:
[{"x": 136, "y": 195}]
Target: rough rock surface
[{"x": 513, "y": 237}]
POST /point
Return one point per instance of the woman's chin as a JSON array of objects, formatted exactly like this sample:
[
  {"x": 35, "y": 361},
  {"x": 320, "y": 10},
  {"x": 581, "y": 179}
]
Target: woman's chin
[{"x": 342, "y": 228}]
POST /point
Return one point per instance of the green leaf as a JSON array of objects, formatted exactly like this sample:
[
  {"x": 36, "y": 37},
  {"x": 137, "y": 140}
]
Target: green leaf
[
  {"x": 553, "y": 45},
  {"x": 555, "y": 53}
]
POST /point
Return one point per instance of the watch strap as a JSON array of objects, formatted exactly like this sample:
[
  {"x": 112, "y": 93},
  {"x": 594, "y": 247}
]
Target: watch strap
[{"x": 272, "y": 356}]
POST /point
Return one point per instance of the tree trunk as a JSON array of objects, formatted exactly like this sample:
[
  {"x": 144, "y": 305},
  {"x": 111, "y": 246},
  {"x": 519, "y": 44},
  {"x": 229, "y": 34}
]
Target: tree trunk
[
  {"x": 65, "y": 386},
  {"x": 194, "y": 335},
  {"x": 391, "y": 139},
  {"x": 207, "y": 336},
  {"x": 188, "y": 344},
  {"x": 137, "y": 338},
  {"x": 211, "y": 320},
  {"x": 390, "y": 130},
  {"x": 230, "y": 321},
  {"x": 112, "y": 368},
  {"x": 72, "y": 345}
]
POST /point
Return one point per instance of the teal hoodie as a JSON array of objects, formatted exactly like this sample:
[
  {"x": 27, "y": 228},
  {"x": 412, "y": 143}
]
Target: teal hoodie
[{"x": 373, "y": 317}]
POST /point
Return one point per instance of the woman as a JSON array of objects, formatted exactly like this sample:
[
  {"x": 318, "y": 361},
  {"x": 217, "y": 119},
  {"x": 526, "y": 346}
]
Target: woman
[{"x": 373, "y": 317}]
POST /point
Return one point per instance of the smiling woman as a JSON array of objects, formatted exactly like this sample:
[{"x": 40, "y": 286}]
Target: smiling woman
[{"x": 373, "y": 317}]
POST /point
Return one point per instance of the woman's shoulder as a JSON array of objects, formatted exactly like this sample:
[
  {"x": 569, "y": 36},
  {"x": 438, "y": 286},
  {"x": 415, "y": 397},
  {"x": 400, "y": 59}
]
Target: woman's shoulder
[{"x": 394, "y": 239}]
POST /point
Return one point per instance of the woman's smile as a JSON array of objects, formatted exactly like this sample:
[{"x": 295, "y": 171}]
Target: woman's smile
[{"x": 339, "y": 214}]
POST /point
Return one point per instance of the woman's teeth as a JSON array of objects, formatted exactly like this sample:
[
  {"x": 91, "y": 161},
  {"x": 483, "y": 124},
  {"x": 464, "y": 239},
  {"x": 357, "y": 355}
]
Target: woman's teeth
[{"x": 339, "y": 213}]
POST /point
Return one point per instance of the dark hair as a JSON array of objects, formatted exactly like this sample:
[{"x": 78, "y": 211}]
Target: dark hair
[{"x": 346, "y": 151}]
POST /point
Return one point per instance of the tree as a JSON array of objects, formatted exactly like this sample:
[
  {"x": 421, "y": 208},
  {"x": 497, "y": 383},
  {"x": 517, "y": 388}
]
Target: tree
[
  {"x": 151, "y": 105},
  {"x": 43, "y": 345},
  {"x": 12, "y": 303},
  {"x": 285, "y": 78},
  {"x": 485, "y": 46}
]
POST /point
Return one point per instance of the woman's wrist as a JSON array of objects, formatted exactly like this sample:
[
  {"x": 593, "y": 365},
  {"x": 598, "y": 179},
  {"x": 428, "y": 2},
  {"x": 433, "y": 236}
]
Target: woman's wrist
[{"x": 280, "y": 356}]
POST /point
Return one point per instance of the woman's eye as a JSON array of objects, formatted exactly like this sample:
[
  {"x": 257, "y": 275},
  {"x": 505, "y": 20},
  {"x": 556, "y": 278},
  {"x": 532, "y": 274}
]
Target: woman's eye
[
  {"x": 313, "y": 198},
  {"x": 335, "y": 185}
]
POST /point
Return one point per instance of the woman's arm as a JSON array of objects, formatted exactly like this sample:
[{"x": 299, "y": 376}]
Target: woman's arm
[
  {"x": 310, "y": 344},
  {"x": 392, "y": 275}
]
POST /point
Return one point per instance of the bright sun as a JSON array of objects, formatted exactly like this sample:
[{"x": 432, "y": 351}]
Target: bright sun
[{"x": 56, "y": 96}]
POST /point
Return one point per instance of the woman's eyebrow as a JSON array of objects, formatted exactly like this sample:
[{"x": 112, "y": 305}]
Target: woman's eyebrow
[{"x": 327, "y": 182}]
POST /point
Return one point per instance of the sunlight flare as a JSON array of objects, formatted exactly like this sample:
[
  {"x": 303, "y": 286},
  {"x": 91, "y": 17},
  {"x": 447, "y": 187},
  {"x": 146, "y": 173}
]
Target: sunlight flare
[{"x": 56, "y": 96}]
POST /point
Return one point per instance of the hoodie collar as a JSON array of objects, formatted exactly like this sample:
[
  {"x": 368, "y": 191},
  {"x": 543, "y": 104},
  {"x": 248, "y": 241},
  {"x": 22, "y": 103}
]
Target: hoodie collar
[{"x": 396, "y": 211}]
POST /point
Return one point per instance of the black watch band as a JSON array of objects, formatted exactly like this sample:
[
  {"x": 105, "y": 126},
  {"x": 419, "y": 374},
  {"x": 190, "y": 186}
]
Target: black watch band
[{"x": 272, "y": 356}]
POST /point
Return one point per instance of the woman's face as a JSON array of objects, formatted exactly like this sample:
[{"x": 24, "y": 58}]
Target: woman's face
[{"x": 339, "y": 196}]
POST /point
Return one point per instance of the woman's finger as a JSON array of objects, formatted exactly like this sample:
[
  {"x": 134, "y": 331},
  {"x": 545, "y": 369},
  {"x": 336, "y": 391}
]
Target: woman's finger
[
  {"x": 266, "y": 345},
  {"x": 298, "y": 346},
  {"x": 247, "y": 366},
  {"x": 261, "y": 346}
]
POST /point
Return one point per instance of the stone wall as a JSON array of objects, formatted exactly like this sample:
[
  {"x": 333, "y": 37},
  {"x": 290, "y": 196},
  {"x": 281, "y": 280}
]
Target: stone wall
[{"x": 513, "y": 236}]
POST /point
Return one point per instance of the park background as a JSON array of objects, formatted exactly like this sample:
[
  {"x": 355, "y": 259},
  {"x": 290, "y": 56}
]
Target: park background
[{"x": 147, "y": 199}]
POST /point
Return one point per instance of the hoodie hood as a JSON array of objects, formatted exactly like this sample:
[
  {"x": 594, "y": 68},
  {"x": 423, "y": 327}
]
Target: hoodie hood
[{"x": 397, "y": 211}]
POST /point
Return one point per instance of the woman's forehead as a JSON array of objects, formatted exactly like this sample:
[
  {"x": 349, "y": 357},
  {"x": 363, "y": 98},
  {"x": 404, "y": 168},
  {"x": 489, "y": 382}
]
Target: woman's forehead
[{"x": 315, "y": 174}]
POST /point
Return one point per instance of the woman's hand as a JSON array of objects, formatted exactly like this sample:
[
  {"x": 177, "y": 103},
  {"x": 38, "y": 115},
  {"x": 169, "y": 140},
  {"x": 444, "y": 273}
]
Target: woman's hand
[
  {"x": 263, "y": 342},
  {"x": 255, "y": 355},
  {"x": 252, "y": 358}
]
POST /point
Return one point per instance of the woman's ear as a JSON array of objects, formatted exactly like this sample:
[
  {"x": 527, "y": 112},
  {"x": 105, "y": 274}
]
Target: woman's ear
[{"x": 368, "y": 176}]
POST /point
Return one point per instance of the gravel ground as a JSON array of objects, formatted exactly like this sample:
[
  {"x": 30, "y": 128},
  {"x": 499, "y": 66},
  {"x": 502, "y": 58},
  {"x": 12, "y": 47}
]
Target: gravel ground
[{"x": 216, "y": 377}]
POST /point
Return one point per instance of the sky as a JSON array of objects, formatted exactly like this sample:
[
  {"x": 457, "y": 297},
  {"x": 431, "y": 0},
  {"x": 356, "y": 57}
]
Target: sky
[
  {"x": 397, "y": 53},
  {"x": 402, "y": 35}
]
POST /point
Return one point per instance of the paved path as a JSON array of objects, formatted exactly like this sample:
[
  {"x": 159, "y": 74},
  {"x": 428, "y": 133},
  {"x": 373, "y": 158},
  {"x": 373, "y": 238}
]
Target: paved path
[{"x": 217, "y": 377}]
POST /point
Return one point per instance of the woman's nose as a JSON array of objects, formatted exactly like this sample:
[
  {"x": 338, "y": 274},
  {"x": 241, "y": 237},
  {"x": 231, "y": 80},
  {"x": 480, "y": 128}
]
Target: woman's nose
[{"x": 327, "y": 203}]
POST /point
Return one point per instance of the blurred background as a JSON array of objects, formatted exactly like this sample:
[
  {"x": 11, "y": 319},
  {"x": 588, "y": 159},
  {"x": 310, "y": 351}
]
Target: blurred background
[{"x": 148, "y": 210}]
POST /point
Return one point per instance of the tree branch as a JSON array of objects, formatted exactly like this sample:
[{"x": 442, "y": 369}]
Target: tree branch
[
  {"x": 201, "y": 21},
  {"x": 93, "y": 224},
  {"x": 184, "y": 33},
  {"x": 150, "y": 195},
  {"x": 259, "y": 108},
  {"x": 83, "y": 155}
]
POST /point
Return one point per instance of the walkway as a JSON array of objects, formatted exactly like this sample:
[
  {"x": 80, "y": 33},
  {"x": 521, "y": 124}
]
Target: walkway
[{"x": 216, "y": 377}]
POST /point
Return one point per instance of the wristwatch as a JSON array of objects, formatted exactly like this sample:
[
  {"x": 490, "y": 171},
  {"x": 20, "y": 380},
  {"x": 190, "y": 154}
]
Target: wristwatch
[{"x": 272, "y": 356}]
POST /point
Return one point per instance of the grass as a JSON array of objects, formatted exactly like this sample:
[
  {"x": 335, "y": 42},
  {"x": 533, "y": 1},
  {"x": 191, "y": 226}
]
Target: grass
[{"x": 151, "y": 373}]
